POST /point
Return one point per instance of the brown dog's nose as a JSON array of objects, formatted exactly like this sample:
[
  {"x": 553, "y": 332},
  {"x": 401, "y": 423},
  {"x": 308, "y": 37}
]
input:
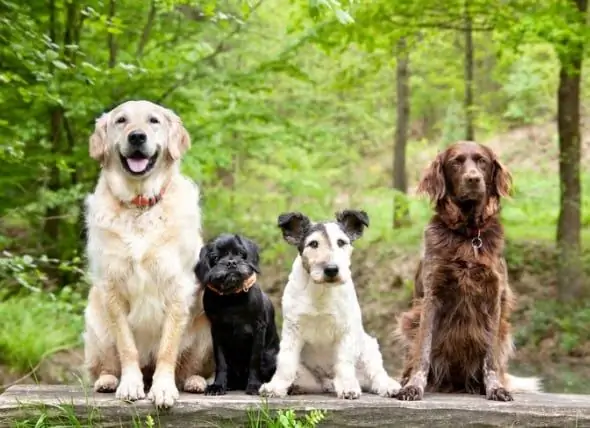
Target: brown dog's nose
[{"x": 472, "y": 178}]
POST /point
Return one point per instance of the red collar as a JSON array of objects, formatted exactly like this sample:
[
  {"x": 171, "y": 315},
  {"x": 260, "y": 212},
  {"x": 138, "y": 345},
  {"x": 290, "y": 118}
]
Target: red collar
[{"x": 142, "y": 201}]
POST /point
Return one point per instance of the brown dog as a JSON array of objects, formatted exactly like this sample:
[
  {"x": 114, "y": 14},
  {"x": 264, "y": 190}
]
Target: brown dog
[{"x": 457, "y": 334}]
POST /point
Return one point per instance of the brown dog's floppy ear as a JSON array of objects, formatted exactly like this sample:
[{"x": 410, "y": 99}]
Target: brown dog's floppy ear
[
  {"x": 179, "y": 141},
  {"x": 294, "y": 226},
  {"x": 502, "y": 180},
  {"x": 353, "y": 222},
  {"x": 433, "y": 180},
  {"x": 98, "y": 140}
]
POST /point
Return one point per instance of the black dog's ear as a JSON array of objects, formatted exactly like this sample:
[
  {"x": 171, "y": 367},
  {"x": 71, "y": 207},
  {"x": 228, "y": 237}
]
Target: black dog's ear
[
  {"x": 294, "y": 226},
  {"x": 252, "y": 250},
  {"x": 353, "y": 222},
  {"x": 202, "y": 266}
]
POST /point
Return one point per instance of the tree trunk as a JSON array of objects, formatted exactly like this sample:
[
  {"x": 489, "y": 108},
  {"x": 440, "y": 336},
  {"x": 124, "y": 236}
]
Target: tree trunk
[
  {"x": 468, "y": 103},
  {"x": 400, "y": 205},
  {"x": 569, "y": 269},
  {"x": 403, "y": 118}
]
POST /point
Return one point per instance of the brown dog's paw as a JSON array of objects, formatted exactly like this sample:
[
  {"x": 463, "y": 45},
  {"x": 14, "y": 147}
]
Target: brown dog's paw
[
  {"x": 410, "y": 393},
  {"x": 499, "y": 394},
  {"x": 106, "y": 383}
]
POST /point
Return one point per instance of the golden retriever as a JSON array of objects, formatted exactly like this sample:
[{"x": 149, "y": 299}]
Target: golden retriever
[{"x": 144, "y": 320}]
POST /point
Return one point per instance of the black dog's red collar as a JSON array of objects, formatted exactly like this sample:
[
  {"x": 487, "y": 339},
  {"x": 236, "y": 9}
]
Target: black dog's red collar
[{"x": 246, "y": 286}]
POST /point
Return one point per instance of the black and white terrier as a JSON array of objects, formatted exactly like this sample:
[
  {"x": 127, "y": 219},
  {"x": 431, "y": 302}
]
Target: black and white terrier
[
  {"x": 245, "y": 338},
  {"x": 324, "y": 347}
]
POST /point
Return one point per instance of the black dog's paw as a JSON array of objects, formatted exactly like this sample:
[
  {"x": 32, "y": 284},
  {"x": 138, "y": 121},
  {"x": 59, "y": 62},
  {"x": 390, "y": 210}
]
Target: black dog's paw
[
  {"x": 253, "y": 387},
  {"x": 215, "y": 389},
  {"x": 499, "y": 394},
  {"x": 410, "y": 393}
]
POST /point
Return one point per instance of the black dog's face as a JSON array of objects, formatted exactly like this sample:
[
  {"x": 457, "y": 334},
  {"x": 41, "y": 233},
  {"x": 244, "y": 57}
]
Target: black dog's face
[{"x": 226, "y": 262}]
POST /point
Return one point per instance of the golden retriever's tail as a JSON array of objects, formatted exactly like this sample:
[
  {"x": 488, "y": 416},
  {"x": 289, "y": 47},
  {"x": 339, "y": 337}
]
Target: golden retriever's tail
[{"x": 524, "y": 384}]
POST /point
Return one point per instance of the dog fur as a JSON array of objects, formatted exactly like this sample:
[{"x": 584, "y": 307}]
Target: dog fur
[
  {"x": 457, "y": 334},
  {"x": 324, "y": 346},
  {"x": 245, "y": 337},
  {"x": 144, "y": 313}
]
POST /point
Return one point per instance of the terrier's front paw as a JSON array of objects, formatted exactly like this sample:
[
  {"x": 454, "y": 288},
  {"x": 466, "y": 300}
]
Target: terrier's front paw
[
  {"x": 215, "y": 389},
  {"x": 195, "y": 384},
  {"x": 349, "y": 389},
  {"x": 163, "y": 392},
  {"x": 106, "y": 383},
  {"x": 387, "y": 387},
  {"x": 410, "y": 393},
  {"x": 499, "y": 394},
  {"x": 272, "y": 389},
  {"x": 131, "y": 387}
]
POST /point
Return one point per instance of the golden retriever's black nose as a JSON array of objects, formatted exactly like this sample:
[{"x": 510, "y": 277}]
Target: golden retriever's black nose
[
  {"x": 136, "y": 138},
  {"x": 331, "y": 270}
]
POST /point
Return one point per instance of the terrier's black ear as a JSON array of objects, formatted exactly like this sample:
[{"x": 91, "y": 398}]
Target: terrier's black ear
[
  {"x": 353, "y": 222},
  {"x": 202, "y": 266},
  {"x": 294, "y": 226},
  {"x": 252, "y": 250}
]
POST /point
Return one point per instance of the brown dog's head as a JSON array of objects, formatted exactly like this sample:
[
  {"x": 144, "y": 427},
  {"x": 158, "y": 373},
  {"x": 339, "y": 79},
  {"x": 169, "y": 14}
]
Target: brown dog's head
[{"x": 466, "y": 174}]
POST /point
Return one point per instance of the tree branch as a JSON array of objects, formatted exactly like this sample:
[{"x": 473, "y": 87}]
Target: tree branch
[
  {"x": 221, "y": 47},
  {"x": 147, "y": 29},
  {"x": 111, "y": 37}
]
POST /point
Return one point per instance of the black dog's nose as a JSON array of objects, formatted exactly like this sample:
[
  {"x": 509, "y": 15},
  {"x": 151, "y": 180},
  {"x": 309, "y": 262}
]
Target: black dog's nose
[
  {"x": 136, "y": 138},
  {"x": 331, "y": 271},
  {"x": 231, "y": 263}
]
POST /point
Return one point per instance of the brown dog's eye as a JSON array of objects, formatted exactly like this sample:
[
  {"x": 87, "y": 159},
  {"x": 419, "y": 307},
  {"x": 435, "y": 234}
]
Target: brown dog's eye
[
  {"x": 121, "y": 119},
  {"x": 313, "y": 244},
  {"x": 154, "y": 120},
  {"x": 341, "y": 243}
]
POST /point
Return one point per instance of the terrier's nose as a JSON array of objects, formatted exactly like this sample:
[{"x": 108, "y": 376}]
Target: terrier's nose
[{"x": 331, "y": 270}]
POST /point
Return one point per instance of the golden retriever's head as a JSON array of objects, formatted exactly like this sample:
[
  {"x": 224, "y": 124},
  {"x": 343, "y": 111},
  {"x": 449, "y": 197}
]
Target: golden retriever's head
[{"x": 137, "y": 136}]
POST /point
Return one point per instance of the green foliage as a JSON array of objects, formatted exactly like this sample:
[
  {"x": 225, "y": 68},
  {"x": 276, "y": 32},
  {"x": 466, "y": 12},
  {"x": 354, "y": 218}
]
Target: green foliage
[{"x": 262, "y": 417}]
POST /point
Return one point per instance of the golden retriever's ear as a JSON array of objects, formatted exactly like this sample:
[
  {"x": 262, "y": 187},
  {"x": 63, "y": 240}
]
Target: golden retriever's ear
[
  {"x": 502, "y": 179},
  {"x": 98, "y": 140},
  {"x": 178, "y": 139},
  {"x": 433, "y": 180}
]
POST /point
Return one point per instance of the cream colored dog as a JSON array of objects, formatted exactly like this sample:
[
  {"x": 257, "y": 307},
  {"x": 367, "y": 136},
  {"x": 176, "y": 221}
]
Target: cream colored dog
[{"x": 144, "y": 313}]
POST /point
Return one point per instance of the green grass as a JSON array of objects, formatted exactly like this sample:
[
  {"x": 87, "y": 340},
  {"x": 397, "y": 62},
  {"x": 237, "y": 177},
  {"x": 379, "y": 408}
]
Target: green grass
[
  {"x": 35, "y": 326},
  {"x": 64, "y": 416}
]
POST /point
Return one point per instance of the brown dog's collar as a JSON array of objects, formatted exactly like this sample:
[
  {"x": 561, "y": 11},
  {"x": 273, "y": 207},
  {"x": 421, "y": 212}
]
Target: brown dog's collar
[
  {"x": 143, "y": 201},
  {"x": 246, "y": 286}
]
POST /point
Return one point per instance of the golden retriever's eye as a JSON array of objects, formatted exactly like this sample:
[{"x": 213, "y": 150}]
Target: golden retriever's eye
[
  {"x": 341, "y": 243},
  {"x": 121, "y": 119},
  {"x": 154, "y": 120},
  {"x": 313, "y": 244}
]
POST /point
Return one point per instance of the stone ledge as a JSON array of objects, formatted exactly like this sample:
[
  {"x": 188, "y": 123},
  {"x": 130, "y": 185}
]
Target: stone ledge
[{"x": 197, "y": 410}]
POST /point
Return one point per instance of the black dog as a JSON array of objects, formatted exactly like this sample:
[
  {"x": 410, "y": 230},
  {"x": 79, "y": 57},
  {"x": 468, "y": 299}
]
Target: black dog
[{"x": 245, "y": 338}]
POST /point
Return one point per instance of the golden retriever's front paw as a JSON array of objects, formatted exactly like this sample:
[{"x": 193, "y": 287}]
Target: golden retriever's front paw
[
  {"x": 131, "y": 387},
  {"x": 387, "y": 387},
  {"x": 195, "y": 384},
  {"x": 106, "y": 383},
  {"x": 272, "y": 389},
  {"x": 164, "y": 392},
  {"x": 348, "y": 389}
]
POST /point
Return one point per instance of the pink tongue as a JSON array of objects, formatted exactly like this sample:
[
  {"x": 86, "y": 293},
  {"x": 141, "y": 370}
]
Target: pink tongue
[{"x": 137, "y": 165}]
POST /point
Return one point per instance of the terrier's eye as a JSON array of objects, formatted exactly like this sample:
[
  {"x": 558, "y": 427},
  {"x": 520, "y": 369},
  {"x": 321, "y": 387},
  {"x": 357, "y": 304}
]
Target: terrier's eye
[
  {"x": 341, "y": 243},
  {"x": 154, "y": 120},
  {"x": 313, "y": 244},
  {"x": 121, "y": 119}
]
